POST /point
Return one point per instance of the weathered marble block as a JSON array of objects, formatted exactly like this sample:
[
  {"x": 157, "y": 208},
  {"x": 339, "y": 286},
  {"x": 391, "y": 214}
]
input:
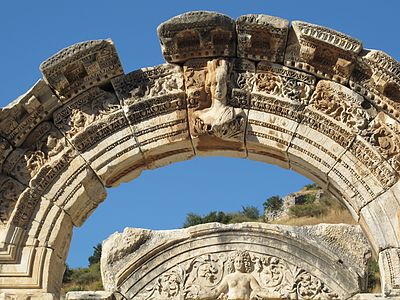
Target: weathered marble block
[
  {"x": 21, "y": 116},
  {"x": 377, "y": 77},
  {"x": 321, "y": 51},
  {"x": 261, "y": 37},
  {"x": 5, "y": 149},
  {"x": 276, "y": 109},
  {"x": 81, "y": 66},
  {"x": 197, "y": 34},
  {"x": 200, "y": 262},
  {"x": 389, "y": 263},
  {"x": 381, "y": 219},
  {"x": 154, "y": 101},
  {"x": 95, "y": 124}
]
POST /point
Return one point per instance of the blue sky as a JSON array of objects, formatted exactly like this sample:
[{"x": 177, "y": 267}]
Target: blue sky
[{"x": 32, "y": 31}]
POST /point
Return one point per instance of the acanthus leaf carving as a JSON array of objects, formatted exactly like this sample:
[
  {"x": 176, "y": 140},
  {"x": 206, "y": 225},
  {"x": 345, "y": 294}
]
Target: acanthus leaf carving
[{"x": 236, "y": 275}]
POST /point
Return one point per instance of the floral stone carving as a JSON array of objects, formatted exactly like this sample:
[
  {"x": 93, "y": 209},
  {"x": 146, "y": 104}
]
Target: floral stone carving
[{"x": 235, "y": 262}]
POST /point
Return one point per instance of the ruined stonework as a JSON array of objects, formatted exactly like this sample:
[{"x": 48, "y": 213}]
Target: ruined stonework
[
  {"x": 205, "y": 261},
  {"x": 299, "y": 95}
]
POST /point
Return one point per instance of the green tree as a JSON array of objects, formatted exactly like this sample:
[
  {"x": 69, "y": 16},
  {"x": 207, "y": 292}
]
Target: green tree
[
  {"x": 273, "y": 204},
  {"x": 95, "y": 257},
  {"x": 251, "y": 212}
]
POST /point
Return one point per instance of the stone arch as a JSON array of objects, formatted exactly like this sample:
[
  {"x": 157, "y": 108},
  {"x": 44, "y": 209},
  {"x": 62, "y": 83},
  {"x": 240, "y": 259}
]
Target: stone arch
[{"x": 314, "y": 101}]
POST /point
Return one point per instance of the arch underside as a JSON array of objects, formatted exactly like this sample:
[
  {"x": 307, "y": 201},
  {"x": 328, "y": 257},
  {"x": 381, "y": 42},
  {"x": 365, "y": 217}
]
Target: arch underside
[{"x": 319, "y": 104}]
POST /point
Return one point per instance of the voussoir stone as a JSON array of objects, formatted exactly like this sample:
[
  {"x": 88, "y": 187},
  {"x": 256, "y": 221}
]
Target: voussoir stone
[
  {"x": 80, "y": 67},
  {"x": 261, "y": 37},
  {"x": 197, "y": 34}
]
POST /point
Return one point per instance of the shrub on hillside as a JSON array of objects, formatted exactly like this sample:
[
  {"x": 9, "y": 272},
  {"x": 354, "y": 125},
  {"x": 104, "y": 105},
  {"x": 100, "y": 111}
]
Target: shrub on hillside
[
  {"x": 273, "y": 204},
  {"x": 307, "y": 210}
]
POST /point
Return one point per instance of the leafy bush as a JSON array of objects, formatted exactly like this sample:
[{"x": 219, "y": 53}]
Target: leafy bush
[
  {"x": 311, "y": 186},
  {"x": 373, "y": 275},
  {"x": 307, "y": 210},
  {"x": 248, "y": 214},
  {"x": 273, "y": 204},
  {"x": 305, "y": 199}
]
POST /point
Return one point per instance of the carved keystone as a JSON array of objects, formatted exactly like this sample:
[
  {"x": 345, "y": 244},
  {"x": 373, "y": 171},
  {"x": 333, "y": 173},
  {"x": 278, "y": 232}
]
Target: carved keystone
[
  {"x": 214, "y": 124},
  {"x": 322, "y": 51},
  {"x": 197, "y": 34},
  {"x": 261, "y": 37},
  {"x": 377, "y": 77},
  {"x": 81, "y": 66},
  {"x": 21, "y": 116}
]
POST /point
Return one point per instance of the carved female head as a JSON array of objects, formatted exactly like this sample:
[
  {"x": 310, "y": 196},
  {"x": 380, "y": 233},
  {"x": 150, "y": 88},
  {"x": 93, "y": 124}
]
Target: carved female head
[{"x": 240, "y": 261}]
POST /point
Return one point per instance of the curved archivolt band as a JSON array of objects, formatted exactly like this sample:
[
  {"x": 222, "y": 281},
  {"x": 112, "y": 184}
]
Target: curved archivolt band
[
  {"x": 282, "y": 262},
  {"x": 299, "y": 96}
]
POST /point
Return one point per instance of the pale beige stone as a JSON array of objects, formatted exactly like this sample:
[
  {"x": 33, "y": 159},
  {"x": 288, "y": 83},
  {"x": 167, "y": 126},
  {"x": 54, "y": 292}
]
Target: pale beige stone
[
  {"x": 197, "y": 34},
  {"x": 389, "y": 264},
  {"x": 154, "y": 101},
  {"x": 377, "y": 77},
  {"x": 321, "y": 51},
  {"x": 21, "y": 116},
  {"x": 139, "y": 263},
  {"x": 95, "y": 124},
  {"x": 381, "y": 219},
  {"x": 80, "y": 67},
  {"x": 89, "y": 295}
]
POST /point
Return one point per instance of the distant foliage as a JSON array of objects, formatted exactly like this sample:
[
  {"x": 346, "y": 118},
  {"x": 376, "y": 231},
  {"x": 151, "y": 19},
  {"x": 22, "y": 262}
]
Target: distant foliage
[
  {"x": 311, "y": 186},
  {"x": 273, "y": 204},
  {"x": 95, "y": 257},
  {"x": 247, "y": 214},
  {"x": 305, "y": 199}
]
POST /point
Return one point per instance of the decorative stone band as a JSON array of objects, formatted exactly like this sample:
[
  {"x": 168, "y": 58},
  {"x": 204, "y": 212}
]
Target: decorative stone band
[
  {"x": 268, "y": 261},
  {"x": 300, "y": 96}
]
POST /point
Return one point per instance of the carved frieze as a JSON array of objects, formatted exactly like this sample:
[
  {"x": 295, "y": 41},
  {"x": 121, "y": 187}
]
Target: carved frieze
[
  {"x": 261, "y": 37},
  {"x": 10, "y": 189},
  {"x": 197, "y": 34},
  {"x": 154, "y": 101},
  {"x": 242, "y": 261},
  {"x": 241, "y": 83},
  {"x": 81, "y": 66},
  {"x": 45, "y": 145},
  {"x": 377, "y": 77},
  {"x": 321, "y": 51},
  {"x": 21, "y": 116},
  {"x": 343, "y": 105},
  {"x": 236, "y": 275},
  {"x": 279, "y": 81},
  {"x": 384, "y": 134}
]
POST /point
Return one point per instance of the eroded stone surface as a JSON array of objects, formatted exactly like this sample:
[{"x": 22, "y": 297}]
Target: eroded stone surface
[
  {"x": 377, "y": 77},
  {"x": 22, "y": 115},
  {"x": 201, "y": 262},
  {"x": 321, "y": 51},
  {"x": 389, "y": 262},
  {"x": 89, "y": 296},
  {"x": 197, "y": 34},
  {"x": 81, "y": 66},
  {"x": 261, "y": 37}
]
